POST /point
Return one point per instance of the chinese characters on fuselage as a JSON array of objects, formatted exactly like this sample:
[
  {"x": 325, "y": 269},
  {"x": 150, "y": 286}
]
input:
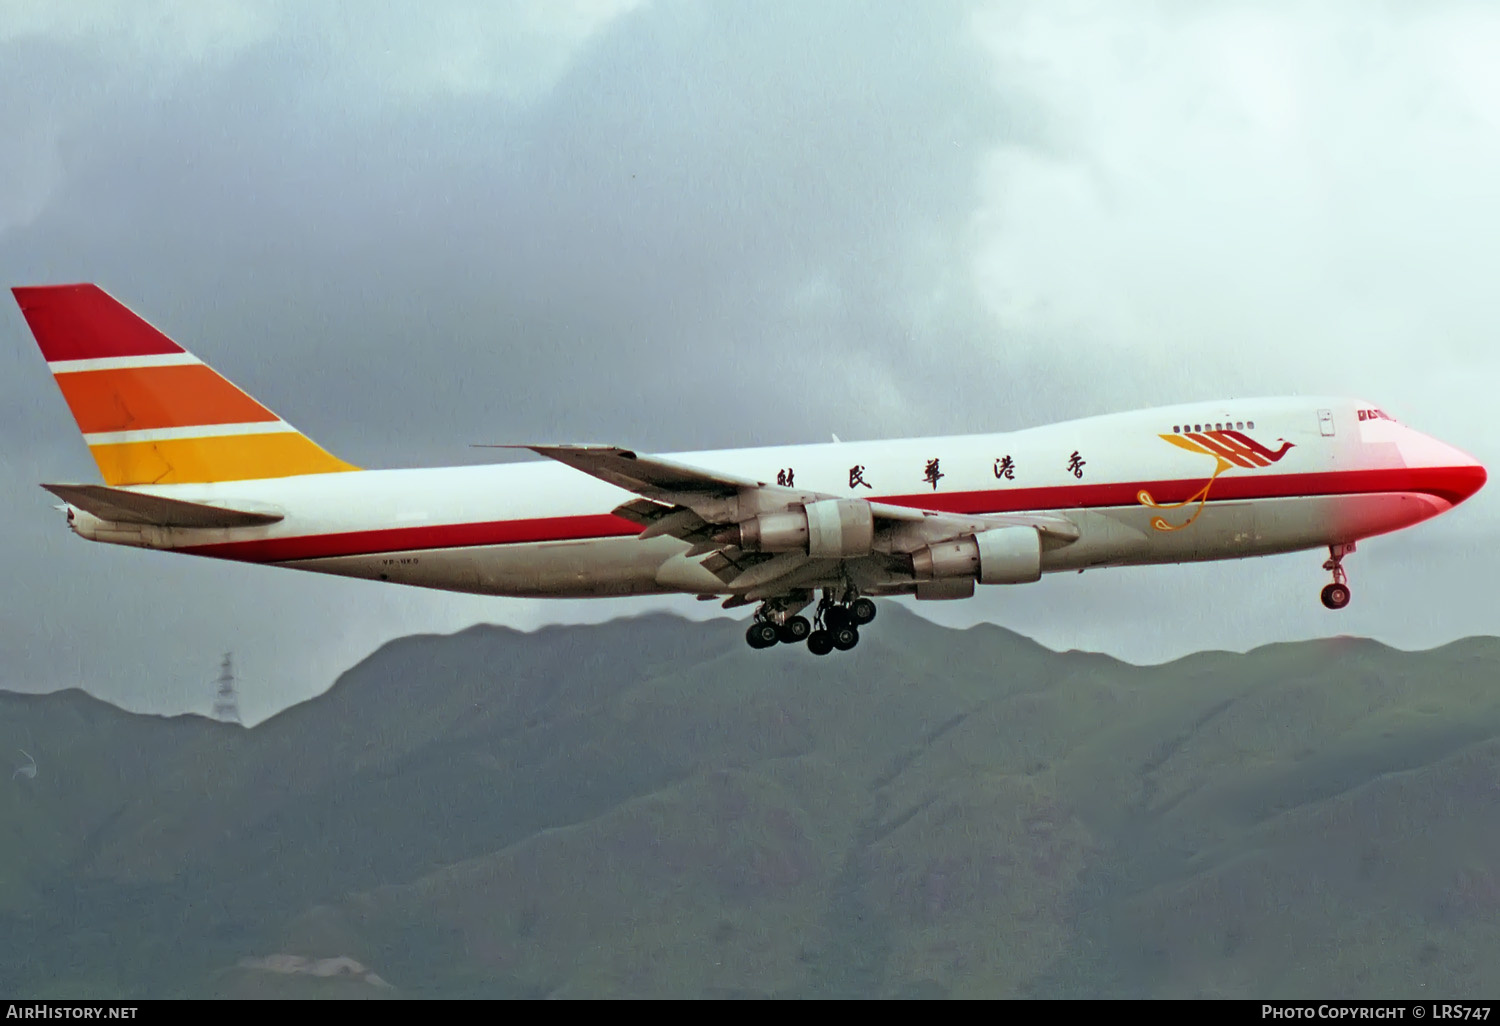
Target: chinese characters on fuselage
[
  {"x": 1003, "y": 467},
  {"x": 932, "y": 474}
]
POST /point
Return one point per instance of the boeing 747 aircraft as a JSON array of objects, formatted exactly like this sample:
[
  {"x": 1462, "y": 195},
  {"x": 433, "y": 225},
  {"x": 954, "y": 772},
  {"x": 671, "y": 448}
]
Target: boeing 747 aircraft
[{"x": 192, "y": 464}]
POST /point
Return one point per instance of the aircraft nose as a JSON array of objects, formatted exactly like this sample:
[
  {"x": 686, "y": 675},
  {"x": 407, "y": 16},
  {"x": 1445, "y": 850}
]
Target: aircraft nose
[
  {"x": 1452, "y": 475},
  {"x": 1468, "y": 480},
  {"x": 1462, "y": 475}
]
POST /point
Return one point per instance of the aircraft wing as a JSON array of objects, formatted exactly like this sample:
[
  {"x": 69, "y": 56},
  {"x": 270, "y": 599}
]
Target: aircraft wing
[
  {"x": 697, "y": 506},
  {"x": 667, "y": 480},
  {"x": 647, "y": 475},
  {"x": 126, "y": 507}
]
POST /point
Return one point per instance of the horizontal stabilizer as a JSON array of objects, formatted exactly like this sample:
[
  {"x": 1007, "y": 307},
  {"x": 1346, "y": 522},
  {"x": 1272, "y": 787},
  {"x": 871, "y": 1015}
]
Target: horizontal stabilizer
[{"x": 126, "y": 507}]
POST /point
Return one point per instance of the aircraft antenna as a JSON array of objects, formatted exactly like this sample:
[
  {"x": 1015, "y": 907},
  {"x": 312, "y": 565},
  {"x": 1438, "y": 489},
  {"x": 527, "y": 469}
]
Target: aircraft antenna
[{"x": 226, "y": 702}]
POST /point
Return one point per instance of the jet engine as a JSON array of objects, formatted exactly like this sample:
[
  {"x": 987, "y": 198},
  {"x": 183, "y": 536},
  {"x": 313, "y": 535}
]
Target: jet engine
[
  {"x": 829, "y": 528},
  {"x": 1002, "y": 555}
]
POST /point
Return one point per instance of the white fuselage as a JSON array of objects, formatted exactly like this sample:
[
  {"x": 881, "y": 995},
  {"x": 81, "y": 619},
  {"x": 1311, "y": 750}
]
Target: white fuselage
[{"x": 544, "y": 529}]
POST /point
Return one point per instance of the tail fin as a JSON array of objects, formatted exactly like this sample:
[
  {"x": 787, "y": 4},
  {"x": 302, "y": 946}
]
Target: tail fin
[{"x": 151, "y": 412}]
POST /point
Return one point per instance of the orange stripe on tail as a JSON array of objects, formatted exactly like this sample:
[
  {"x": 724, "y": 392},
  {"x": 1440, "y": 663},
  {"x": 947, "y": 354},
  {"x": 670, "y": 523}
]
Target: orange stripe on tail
[{"x": 134, "y": 399}]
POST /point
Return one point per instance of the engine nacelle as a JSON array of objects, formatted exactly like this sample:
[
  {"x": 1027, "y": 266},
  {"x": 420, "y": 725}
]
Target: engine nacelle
[
  {"x": 1004, "y": 555},
  {"x": 828, "y": 528},
  {"x": 947, "y": 588}
]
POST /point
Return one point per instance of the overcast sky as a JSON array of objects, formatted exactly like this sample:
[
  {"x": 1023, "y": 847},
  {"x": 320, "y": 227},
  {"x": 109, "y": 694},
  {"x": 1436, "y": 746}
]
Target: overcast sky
[{"x": 684, "y": 225}]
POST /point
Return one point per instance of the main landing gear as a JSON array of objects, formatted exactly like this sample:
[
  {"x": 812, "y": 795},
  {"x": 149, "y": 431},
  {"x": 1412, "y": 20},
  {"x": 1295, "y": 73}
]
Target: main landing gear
[
  {"x": 765, "y": 631},
  {"x": 835, "y": 624},
  {"x": 1336, "y": 595}
]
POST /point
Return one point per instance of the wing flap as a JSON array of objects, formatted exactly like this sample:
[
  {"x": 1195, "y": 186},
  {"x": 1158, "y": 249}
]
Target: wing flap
[
  {"x": 642, "y": 512},
  {"x": 126, "y": 507}
]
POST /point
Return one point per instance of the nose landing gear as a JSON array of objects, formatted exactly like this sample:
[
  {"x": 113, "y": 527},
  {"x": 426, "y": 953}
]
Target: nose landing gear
[{"x": 1336, "y": 595}]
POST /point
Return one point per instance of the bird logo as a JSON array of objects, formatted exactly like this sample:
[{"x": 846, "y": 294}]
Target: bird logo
[{"x": 1229, "y": 449}]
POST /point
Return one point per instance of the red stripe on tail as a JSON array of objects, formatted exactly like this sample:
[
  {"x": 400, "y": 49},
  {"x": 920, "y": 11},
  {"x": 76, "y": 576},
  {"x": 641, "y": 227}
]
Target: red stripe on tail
[{"x": 83, "y": 322}]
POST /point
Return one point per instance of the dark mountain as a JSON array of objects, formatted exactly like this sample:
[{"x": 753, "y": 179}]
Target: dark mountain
[{"x": 649, "y": 808}]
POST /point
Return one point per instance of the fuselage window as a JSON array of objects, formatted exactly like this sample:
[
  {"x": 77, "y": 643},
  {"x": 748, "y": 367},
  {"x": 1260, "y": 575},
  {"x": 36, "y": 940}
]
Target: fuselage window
[
  {"x": 1218, "y": 427},
  {"x": 1239, "y": 425},
  {"x": 1249, "y": 425},
  {"x": 1197, "y": 427},
  {"x": 1176, "y": 430}
]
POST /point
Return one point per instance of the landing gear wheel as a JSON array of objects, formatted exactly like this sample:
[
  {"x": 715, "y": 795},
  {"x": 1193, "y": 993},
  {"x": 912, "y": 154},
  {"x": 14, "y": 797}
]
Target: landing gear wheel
[
  {"x": 820, "y": 642},
  {"x": 845, "y": 638},
  {"x": 1336, "y": 596},
  {"x": 835, "y": 617},
  {"x": 762, "y": 634},
  {"x": 861, "y": 611},
  {"x": 795, "y": 630}
]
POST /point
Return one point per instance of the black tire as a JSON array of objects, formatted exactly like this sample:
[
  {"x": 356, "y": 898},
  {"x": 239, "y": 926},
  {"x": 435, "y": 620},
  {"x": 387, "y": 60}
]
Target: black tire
[
  {"x": 861, "y": 611},
  {"x": 762, "y": 634},
  {"x": 836, "y": 617},
  {"x": 794, "y": 631},
  {"x": 1336, "y": 596},
  {"x": 845, "y": 638},
  {"x": 820, "y": 643}
]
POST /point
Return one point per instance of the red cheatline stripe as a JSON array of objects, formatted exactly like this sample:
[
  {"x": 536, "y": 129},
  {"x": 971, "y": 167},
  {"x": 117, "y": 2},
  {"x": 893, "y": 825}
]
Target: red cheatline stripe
[
  {"x": 81, "y": 322},
  {"x": 404, "y": 539},
  {"x": 1451, "y": 484}
]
